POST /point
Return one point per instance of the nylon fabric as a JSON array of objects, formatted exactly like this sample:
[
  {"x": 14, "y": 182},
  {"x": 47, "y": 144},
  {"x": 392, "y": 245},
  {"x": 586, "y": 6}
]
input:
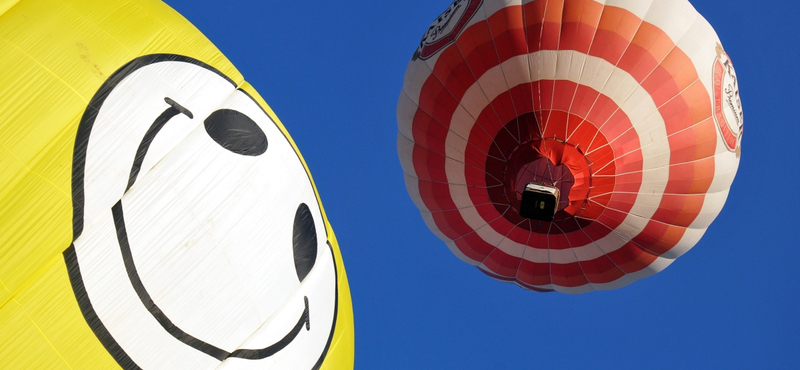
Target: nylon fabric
[
  {"x": 629, "y": 84},
  {"x": 55, "y": 57}
]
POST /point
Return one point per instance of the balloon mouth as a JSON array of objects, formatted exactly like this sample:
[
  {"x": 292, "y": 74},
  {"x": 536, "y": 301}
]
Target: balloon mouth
[{"x": 551, "y": 161}]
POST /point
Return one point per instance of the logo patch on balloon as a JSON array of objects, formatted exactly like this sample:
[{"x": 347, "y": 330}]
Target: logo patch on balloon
[
  {"x": 727, "y": 104},
  {"x": 446, "y": 28}
]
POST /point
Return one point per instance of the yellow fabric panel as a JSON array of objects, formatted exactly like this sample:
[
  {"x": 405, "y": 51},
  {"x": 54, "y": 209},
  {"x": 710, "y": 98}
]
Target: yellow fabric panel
[
  {"x": 48, "y": 78},
  {"x": 50, "y": 306},
  {"x": 5, "y": 296},
  {"x": 24, "y": 346},
  {"x": 36, "y": 226},
  {"x": 83, "y": 42},
  {"x": 54, "y": 55},
  {"x": 7, "y": 4}
]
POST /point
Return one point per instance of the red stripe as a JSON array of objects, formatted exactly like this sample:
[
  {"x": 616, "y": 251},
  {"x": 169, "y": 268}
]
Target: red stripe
[{"x": 659, "y": 238}]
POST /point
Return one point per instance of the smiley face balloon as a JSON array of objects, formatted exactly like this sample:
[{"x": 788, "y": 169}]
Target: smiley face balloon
[{"x": 156, "y": 213}]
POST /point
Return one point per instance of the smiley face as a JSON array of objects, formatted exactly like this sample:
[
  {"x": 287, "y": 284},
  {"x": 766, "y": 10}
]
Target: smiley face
[{"x": 199, "y": 239}]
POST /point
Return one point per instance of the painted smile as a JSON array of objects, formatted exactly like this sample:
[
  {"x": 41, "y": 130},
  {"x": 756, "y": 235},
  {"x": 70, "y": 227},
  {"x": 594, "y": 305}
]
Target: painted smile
[
  {"x": 215, "y": 247},
  {"x": 175, "y": 331}
]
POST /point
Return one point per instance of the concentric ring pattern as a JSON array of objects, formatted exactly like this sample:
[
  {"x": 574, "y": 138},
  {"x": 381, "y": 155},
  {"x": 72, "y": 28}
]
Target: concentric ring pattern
[{"x": 629, "y": 107}]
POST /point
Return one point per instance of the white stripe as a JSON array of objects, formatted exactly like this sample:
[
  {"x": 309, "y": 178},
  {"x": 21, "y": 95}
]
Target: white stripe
[
  {"x": 690, "y": 237},
  {"x": 712, "y": 204},
  {"x": 405, "y": 150},
  {"x": 406, "y": 110},
  {"x": 674, "y": 17},
  {"x": 637, "y": 7}
]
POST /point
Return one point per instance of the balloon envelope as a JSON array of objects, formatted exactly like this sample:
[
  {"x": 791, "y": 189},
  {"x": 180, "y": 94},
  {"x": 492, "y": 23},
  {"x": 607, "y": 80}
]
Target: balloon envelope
[
  {"x": 628, "y": 109},
  {"x": 154, "y": 212}
]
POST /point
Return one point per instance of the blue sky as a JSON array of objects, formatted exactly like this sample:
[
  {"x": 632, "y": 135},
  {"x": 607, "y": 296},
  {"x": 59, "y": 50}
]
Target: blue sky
[{"x": 333, "y": 71}]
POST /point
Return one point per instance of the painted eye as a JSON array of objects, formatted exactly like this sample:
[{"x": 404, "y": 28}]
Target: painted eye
[
  {"x": 236, "y": 132},
  {"x": 304, "y": 241}
]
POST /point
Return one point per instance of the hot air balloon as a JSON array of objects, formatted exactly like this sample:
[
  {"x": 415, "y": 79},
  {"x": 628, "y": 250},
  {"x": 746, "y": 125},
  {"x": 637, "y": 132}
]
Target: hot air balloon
[
  {"x": 155, "y": 212},
  {"x": 569, "y": 145}
]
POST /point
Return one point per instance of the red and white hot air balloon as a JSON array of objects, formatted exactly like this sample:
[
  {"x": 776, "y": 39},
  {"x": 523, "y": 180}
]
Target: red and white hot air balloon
[{"x": 570, "y": 145}]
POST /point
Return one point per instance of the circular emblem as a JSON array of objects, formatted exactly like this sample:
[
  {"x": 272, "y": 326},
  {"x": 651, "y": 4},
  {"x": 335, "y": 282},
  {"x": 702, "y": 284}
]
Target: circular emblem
[
  {"x": 727, "y": 104},
  {"x": 446, "y": 28},
  {"x": 199, "y": 239}
]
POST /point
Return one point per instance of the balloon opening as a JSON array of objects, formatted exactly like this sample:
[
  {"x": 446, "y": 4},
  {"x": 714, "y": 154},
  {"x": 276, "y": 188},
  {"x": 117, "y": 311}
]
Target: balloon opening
[
  {"x": 527, "y": 158},
  {"x": 542, "y": 170}
]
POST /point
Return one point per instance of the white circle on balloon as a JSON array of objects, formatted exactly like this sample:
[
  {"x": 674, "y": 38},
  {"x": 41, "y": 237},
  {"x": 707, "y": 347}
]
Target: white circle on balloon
[{"x": 196, "y": 261}]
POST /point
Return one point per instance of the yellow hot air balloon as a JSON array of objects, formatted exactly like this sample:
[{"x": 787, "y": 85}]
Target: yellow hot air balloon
[
  {"x": 570, "y": 145},
  {"x": 155, "y": 213}
]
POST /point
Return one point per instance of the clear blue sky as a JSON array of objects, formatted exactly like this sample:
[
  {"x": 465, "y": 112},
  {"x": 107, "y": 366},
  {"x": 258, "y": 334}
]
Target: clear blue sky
[{"x": 333, "y": 70}]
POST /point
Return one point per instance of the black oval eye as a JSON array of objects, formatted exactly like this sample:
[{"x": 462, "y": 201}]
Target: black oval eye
[
  {"x": 304, "y": 241},
  {"x": 235, "y": 131}
]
